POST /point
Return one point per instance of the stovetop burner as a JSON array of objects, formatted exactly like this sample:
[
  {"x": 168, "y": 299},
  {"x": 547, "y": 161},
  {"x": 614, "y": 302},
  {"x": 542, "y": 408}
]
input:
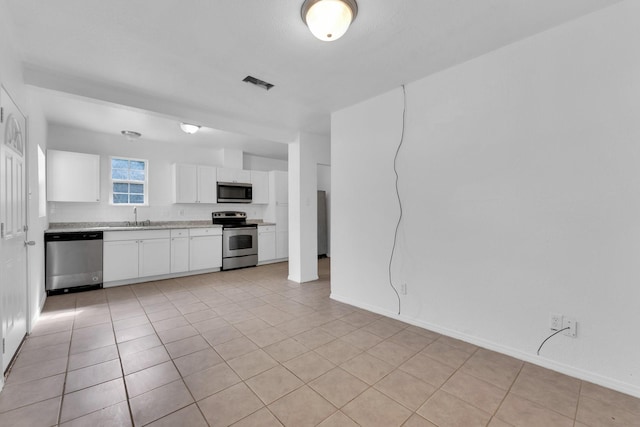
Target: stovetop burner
[{"x": 231, "y": 219}]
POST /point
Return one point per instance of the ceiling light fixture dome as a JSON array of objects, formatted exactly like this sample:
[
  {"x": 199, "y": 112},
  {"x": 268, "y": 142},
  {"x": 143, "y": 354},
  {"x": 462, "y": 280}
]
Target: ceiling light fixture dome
[
  {"x": 328, "y": 20},
  {"x": 189, "y": 128}
]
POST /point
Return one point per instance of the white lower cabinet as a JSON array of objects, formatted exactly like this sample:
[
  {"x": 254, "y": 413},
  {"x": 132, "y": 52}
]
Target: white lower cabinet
[
  {"x": 205, "y": 248},
  {"x": 179, "y": 250},
  {"x": 282, "y": 244},
  {"x": 120, "y": 260},
  {"x": 154, "y": 256},
  {"x": 133, "y": 254},
  {"x": 129, "y": 255},
  {"x": 266, "y": 243}
]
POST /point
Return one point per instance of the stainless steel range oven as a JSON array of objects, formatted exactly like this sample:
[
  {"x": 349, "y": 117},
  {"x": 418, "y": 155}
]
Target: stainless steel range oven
[{"x": 239, "y": 239}]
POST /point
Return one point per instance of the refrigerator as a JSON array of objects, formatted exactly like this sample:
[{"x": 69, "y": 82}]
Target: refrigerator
[{"x": 323, "y": 236}]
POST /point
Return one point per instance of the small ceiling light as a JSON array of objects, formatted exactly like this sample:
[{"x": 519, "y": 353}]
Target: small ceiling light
[
  {"x": 189, "y": 128},
  {"x": 130, "y": 134},
  {"x": 260, "y": 83},
  {"x": 328, "y": 20}
]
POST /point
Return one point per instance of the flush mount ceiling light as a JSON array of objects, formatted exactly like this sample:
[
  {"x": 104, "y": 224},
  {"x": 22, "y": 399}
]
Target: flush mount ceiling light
[
  {"x": 189, "y": 128},
  {"x": 260, "y": 83},
  {"x": 328, "y": 20},
  {"x": 130, "y": 134}
]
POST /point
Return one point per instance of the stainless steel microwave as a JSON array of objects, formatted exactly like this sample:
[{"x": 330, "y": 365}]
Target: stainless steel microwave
[{"x": 234, "y": 192}]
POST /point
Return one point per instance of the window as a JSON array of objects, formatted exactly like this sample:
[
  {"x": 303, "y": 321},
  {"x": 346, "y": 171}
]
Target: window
[{"x": 128, "y": 181}]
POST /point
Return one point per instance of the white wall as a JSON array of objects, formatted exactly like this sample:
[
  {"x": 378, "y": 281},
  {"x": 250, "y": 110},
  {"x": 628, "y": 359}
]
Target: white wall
[
  {"x": 10, "y": 67},
  {"x": 267, "y": 164},
  {"x": 232, "y": 158},
  {"x": 160, "y": 156},
  {"x": 520, "y": 182}
]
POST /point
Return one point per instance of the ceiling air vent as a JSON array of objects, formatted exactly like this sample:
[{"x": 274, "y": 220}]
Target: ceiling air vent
[{"x": 260, "y": 83}]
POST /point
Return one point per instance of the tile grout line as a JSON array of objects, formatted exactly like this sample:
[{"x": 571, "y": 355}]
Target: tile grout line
[
  {"x": 575, "y": 414},
  {"x": 542, "y": 405},
  {"x": 507, "y": 393},
  {"x": 195, "y": 402},
  {"x": 66, "y": 372},
  {"x": 115, "y": 339}
]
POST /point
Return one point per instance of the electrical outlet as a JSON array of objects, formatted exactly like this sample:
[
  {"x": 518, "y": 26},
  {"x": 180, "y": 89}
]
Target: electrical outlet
[
  {"x": 555, "y": 322},
  {"x": 570, "y": 323},
  {"x": 403, "y": 289}
]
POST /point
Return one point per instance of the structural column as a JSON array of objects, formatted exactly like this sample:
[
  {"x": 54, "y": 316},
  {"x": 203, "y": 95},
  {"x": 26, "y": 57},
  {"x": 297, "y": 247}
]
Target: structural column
[{"x": 304, "y": 155}]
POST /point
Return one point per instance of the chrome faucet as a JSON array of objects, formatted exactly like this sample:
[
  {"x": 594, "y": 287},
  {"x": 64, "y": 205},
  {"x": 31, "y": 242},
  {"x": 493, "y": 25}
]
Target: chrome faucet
[{"x": 135, "y": 215}]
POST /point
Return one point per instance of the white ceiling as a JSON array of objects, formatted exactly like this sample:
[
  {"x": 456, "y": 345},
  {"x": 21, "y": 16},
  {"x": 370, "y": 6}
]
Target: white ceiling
[{"x": 147, "y": 64}]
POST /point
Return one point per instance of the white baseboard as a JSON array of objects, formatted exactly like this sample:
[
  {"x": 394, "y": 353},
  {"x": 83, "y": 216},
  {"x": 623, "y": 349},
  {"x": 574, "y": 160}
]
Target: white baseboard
[
  {"x": 115, "y": 283},
  {"x": 273, "y": 261},
  {"x": 36, "y": 316},
  {"x": 534, "y": 359}
]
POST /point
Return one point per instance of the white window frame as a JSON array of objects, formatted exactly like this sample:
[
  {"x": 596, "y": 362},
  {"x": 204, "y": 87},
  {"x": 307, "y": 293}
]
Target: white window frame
[{"x": 128, "y": 181}]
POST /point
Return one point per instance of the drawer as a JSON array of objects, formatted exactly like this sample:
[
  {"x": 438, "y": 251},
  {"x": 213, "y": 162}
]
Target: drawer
[
  {"x": 110, "y": 236},
  {"x": 183, "y": 232},
  {"x": 266, "y": 229},
  {"x": 205, "y": 231}
]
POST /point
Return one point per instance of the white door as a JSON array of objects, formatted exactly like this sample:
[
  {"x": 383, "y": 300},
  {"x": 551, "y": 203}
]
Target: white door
[
  {"x": 154, "y": 256},
  {"x": 207, "y": 187},
  {"x": 260, "y": 184},
  {"x": 179, "y": 254},
  {"x": 266, "y": 244},
  {"x": 13, "y": 219},
  {"x": 120, "y": 260},
  {"x": 205, "y": 252},
  {"x": 185, "y": 182}
]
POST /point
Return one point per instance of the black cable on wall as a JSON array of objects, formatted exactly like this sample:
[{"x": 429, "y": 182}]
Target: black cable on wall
[{"x": 395, "y": 170}]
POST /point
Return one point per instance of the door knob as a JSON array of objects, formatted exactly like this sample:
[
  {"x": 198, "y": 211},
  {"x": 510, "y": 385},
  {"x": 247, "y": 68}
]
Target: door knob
[{"x": 30, "y": 243}]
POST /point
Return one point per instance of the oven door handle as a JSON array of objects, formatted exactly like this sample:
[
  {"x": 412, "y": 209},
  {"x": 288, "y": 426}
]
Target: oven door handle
[{"x": 240, "y": 228}]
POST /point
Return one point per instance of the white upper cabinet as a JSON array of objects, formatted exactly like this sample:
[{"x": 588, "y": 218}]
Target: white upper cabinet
[
  {"x": 194, "y": 183},
  {"x": 280, "y": 187},
  {"x": 234, "y": 175},
  {"x": 207, "y": 184},
  {"x": 260, "y": 186},
  {"x": 73, "y": 177},
  {"x": 185, "y": 183}
]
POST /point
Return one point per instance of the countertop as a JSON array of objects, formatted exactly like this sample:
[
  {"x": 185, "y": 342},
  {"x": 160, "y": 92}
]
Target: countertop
[{"x": 58, "y": 227}]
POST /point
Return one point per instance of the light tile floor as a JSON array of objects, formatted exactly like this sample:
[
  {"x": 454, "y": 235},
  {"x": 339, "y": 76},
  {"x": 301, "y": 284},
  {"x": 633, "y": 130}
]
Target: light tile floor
[{"x": 249, "y": 348}]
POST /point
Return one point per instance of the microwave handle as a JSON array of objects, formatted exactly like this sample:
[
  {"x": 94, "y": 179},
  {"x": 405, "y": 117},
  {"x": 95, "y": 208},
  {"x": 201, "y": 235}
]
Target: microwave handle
[{"x": 235, "y": 184}]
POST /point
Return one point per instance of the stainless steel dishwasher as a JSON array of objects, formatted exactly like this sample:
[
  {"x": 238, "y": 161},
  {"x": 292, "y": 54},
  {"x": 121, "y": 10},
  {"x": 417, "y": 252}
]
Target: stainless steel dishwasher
[{"x": 73, "y": 261}]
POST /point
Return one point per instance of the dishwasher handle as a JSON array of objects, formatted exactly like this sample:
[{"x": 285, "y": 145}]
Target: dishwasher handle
[{"x": 73, "y": 235}]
